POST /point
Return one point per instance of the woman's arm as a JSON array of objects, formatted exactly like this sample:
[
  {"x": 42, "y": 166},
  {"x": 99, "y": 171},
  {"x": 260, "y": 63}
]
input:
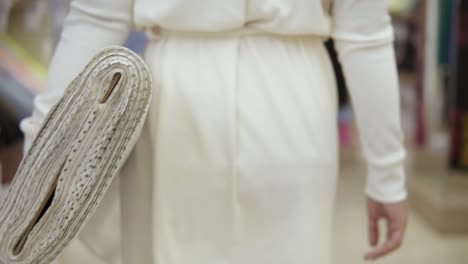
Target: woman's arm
[
  {"x": 364, "y": 40},
  {"x": 89, "y": 26}
]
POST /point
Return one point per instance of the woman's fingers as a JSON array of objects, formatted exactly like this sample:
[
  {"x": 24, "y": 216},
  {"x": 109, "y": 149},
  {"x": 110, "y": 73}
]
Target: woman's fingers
[
  {"x": 393, "y": 242},
  {"x": 373, "y": 221},
  {"x": 395, "y": 216}
]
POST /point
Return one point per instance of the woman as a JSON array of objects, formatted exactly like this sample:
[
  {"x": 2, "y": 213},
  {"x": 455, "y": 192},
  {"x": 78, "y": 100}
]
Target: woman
[{"x": 237, "y": 162}]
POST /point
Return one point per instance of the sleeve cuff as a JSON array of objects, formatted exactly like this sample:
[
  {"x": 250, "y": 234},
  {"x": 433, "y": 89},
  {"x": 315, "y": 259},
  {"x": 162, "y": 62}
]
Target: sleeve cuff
[{"x": 387, "y": 185}]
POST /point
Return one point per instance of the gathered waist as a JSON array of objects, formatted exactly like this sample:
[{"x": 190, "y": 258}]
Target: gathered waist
[{"x": 156, "y": 32}]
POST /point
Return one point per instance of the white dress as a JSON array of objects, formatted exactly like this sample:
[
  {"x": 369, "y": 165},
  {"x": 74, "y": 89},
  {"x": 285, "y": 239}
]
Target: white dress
[{"x": 237, "y": 162}]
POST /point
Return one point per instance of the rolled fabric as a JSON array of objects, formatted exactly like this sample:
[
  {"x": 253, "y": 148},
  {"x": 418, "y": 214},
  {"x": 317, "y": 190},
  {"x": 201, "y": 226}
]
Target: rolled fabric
[{"x": 81, "y": 146}]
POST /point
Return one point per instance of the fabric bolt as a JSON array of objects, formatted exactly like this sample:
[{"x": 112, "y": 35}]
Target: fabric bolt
[
  {"x": 237, "y": 161},
  {"x": 81, "y": 146}
]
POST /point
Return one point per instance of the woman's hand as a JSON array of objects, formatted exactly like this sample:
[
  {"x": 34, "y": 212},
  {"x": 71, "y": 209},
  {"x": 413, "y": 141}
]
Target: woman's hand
[{"x": 396, "y": 217}]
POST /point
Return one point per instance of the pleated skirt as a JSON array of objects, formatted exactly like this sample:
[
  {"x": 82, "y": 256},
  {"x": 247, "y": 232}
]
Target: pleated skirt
[{"x": 237, "y": 161}]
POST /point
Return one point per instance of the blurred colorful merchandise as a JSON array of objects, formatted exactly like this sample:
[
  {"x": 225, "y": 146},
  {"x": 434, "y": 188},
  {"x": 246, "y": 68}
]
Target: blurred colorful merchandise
[
  {"x": 446, "y": 51},
  {"x": 459, "y": 96},
  {"x": 20, "y": 65},
  {"x": 401, "y": 7},
  {"x": 21, "y": 77}
]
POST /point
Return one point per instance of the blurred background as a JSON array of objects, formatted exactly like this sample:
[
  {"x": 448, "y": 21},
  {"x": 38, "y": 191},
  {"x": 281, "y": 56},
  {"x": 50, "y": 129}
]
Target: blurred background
[{"x": 431, "y": 44}]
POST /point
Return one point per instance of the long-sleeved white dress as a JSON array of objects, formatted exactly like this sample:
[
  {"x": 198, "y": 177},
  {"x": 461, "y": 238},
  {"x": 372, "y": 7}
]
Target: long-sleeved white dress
[{"x": 237, "y": 162}]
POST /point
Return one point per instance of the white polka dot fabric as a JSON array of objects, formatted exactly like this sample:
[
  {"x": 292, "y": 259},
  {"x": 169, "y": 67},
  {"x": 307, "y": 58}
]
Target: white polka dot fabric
[{"x": 80, "y": 148}]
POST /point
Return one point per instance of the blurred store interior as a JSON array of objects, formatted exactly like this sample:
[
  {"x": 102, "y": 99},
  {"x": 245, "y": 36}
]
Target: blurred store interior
[{"x": 431, "y": 43}]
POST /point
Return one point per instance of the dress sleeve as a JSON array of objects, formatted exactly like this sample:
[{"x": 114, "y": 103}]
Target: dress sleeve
[
  {"x": 89, "y": 26},
  {"x": 363, "y": 36}
]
